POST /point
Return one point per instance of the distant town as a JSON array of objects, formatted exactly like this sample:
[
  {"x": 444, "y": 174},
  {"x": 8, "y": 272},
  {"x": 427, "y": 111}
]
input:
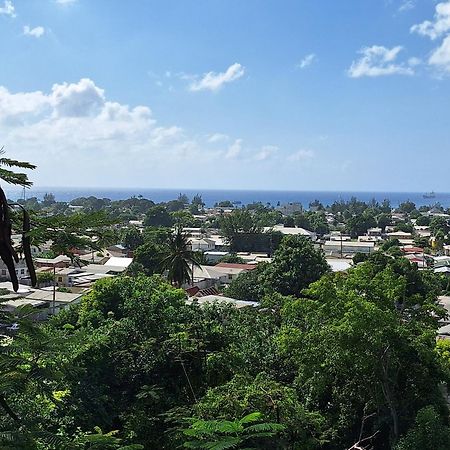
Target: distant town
[{"x": 229, "y": 239}]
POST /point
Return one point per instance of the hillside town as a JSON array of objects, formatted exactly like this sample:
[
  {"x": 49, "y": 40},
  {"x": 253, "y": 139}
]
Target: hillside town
[{"x": 228, "y": 240}]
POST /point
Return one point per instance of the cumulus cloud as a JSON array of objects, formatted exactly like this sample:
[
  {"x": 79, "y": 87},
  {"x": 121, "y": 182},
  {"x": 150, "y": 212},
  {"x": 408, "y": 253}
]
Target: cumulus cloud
[
  {"x": 8, "y": 9},
  {"x": 77, "y": 99},
  {"x": 213, "y": 81},
  {"x": 306, "y": 61},
  {"x": 437, "y": 27},
  {"x": 36, "y": 32},
  {"x": 378, "y": 61},
  {"x": 440, "y": 57},
  {"x": 78, "y": 136}
]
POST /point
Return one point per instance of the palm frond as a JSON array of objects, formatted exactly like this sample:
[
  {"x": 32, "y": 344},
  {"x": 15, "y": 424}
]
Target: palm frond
[
  {"x": 14, "y": 163},
  {"x": 11, "y": 177}
]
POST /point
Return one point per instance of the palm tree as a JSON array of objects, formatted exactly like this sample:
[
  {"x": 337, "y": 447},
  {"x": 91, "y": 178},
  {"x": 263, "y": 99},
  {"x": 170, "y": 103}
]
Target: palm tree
[
  {"x": 7, "y": 252},
  {"x": 180, "y": 260}
]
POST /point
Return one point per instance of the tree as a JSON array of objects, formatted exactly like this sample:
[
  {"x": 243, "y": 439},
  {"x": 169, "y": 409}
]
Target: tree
[
  {"x": 132, "y": 238},
  {"x": 249, "y": 286},
  {"x": 7, "y": 253},
  {"x": 359, "y": 224},
  {"x": 238, "y": 222},
  {"x": 197, "y": 202},
  {"x": 289, "y": 221},
  {"x": 383, "y": 220},
  {"x": 49, "y": 199},
  {"x": 423, "y": 221},
  {"x": 295, "y": 265},
  {"x": 222, "y": 434},
  {"x": 232, "y": 258},
  {"x": 148, "y": 257},
  {"x": 158, "y": 216},
  {"x": 407, "y": 207},
  {"x": 438, "y": 223},
  {"x": 371, "y": 327},
  {"x": 430, "y": 432},
  {"x": 180, "y": 260}
]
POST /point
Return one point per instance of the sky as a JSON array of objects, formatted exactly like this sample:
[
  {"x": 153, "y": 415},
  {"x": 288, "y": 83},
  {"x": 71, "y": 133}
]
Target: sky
[{"x": 347, "y": 95}]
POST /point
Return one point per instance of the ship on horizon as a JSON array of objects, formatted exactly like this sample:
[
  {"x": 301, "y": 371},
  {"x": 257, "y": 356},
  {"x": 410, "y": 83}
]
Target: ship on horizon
[{"x": 429, "y": 195}]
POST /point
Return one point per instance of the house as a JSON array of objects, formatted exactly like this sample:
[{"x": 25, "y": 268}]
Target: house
[
  {"x": 59, "y": 261},
  {"x": 347, "y": 248},
  {"x": 400, "y": 235},
  {"x": 220, "y": 274},
  {"x": 375, "y": 231},
  {"x": 21, "y": 270},
  {"x": 57, "y": 301},
  {"x": 214, "y": 256},
  {"x": 202, "y": 244},
  {"x": 293, "y": 231},
  {"x": 339, "y": 265},
  {"x": 221, "y": 299},
  {"x": 43, "y": 301},
  {"x": 117, "y": 250},
  {"x": 337, "y": 236}
]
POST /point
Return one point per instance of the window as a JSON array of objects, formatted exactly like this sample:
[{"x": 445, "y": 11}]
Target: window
[
  {"x": 59, "y": 279},
  {"x": 3, "y": 272},
  {"x": 22, "y": 271}
]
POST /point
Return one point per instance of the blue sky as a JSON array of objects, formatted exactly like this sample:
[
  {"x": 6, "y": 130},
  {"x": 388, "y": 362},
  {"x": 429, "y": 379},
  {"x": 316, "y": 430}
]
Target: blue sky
[{"x": 303, "y": 95}]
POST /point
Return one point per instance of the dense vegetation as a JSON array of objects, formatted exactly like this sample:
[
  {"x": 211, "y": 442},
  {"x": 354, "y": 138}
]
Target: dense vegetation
[
  {"x": 351, "y": 358},
  {"x": 326, "y": 361}
]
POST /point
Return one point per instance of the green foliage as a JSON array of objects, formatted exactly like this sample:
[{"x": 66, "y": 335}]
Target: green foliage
[
  {"x": 224, "y": 434},
  {"x": 238, "y": 222},
  {"x": 359, "y": 224},
  {"x": 44, "y": 277},
  {"x": 249, "y": 286},
  {"x": 407, "y": 207},
  {"x": 158, "y": 216},
  {"x": 180, "y": 260},
  {"x": 232, "y": 258},
  {"x": 423, "y": 220},
  {"x": 359, "y": 257},
  {"x": 429, "y": 432},
  {"x": 132, "y": 238},
  {"x": 296, "y": 264}
]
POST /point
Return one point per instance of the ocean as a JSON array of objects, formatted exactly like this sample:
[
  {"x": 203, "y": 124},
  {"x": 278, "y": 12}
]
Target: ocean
[{"x": 210, "y": 197}]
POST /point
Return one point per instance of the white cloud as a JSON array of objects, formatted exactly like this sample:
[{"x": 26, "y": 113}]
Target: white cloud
[
  {"x": 234, "y": 150},
  {"x": 36, "y": 32},
  {"x": 217, "y": 137},
  {"x": 8, "y": 9},
  {"x": 440, "y": 24},
  {"x": 301, "y": 155},
  {"x": 414, "y": 61},
  {"x": 266, "y": 152},
  {"x": 77, "y": 99},
  {"x": 213, "y": 81},
  {"x": 440, "y": 58},
  {"x": 407, "y": 5},
  {"x": 78, "y": 136},
  {"x": 378, "y": 61},
  {"x": 306, "y": 61},
  {"x": 65, "y": 2}
]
